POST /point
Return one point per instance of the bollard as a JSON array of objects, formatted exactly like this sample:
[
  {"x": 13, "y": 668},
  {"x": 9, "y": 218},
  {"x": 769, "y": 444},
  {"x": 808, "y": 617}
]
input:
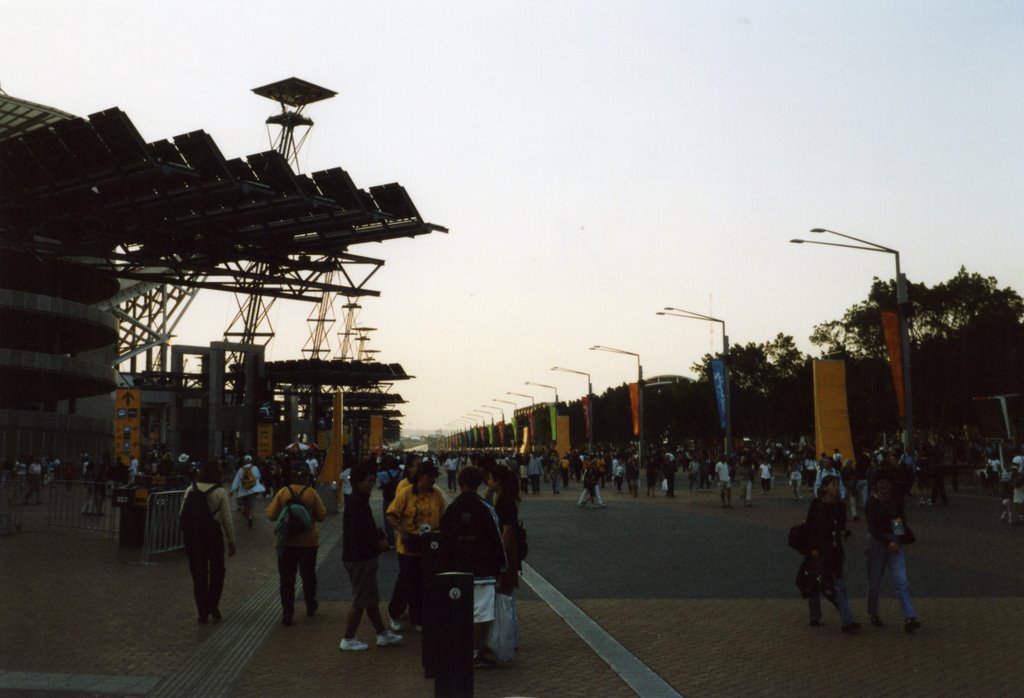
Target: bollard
[
  {"x": 433, "y": 561},
  {"x": 451, "y": 614}
]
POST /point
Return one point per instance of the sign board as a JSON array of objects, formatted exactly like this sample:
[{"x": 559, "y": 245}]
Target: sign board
[
  {"x": 127, "y": 421},
  {"x": 264, "y": 440}
]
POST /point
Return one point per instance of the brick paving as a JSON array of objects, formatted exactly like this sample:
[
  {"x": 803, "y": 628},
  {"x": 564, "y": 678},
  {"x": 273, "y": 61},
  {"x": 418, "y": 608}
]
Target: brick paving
[{"x": 77, "y": 603}]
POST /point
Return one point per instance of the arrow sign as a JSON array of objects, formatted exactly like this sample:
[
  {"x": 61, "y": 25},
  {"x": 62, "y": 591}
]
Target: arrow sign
[{"x": 128, "y": 397}]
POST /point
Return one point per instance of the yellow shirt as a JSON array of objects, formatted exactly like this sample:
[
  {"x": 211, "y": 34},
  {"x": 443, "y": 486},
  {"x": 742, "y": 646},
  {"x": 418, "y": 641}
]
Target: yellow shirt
[{"x": 414, "y": 510}]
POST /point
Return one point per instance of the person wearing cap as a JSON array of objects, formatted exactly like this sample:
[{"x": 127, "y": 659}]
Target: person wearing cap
[
  {"x": 416, "y": 510},
  {"x": 247, "y": 474},
  {"x": 886, "y": 521},
  {"x": 298, "y": 552}
]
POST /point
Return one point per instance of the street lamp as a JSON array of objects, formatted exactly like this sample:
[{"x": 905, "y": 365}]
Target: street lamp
[
  {"x": 727, "y": 389},
  {"x": 542, "y": 385},
  {"x": 532, "y": 401},
  {"x": 901, "y": 301},
  {"x": 639, "y": 390},
  {"x": 492, "y": 407},
  {"x": 590, "y": 403}
]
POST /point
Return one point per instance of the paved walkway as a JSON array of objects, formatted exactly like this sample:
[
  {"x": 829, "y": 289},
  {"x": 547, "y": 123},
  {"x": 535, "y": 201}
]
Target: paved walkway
[{"x": 646, "y": 597}]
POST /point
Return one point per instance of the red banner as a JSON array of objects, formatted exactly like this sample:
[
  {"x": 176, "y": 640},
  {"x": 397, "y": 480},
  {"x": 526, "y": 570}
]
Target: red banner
[
  {"x": 501, "y": 433},
  {"x": 891, "y": 330},
  {"x": 634, "y": 402},
  {"x": 532, "y": 432},
  {"x": 586, "y": 417}
]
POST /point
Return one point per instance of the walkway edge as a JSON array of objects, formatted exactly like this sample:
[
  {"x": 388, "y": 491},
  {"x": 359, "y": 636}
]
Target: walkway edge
[{"x": 637, "y": 675}]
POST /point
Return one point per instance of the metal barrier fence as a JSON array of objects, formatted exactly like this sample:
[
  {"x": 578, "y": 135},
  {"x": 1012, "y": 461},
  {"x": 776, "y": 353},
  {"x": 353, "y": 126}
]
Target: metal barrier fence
[
  {"x": 83, "y": 504},
  {"x": 11, "y": 493},
  {"x": 163, "y": 527}
]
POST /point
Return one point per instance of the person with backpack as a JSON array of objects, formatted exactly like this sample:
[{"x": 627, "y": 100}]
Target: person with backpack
[
  {"x": 470, "y": 526},
  {"x": 388, "y": 476},
  {"x": 248, "y": 483},
  {"x": 296, "y": 509},
  {"x": 206, "y": 522}
]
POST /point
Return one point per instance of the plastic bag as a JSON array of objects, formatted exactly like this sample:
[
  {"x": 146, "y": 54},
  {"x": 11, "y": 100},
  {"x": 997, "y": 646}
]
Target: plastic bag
[
  {"x": 664, "y": 485},
  {"x": 503, "y": 634}
]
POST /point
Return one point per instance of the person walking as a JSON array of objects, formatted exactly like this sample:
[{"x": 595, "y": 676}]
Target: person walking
[
  {"x": 204, "y": 534},
  {"x": 361, "y": 543},
  {"x": 823, "y": 567},
  {"x": 247, "y": 484},
  {"x": 297, "y": 547},
  {"x": 887, "y": 534},
  {"x": 795, "y": 476},
  {"x": 534, "y": 470},
  {"x": 724, "y": 482}
]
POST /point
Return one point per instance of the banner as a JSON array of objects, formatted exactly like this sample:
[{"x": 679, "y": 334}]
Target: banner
[
  {"x": 376, "y": 432},
  {"x": 526, "y": 440},
  {"x": 831, "y": 416},
  {"x": 634, "y": 403},
  {"x": 531, "y": 433},
  {"x": 562, "y": 445},
  {"x": 891, "y": 330},
  {"x": 490, "y": 434},
  {"x": 264, "y": 440},
  {"x": 586, "y": 418},
  {"x": 554, "y": 423},
  {"x": 501, "y": 433},
  {"x": 515, "y": 430},
  {"x": 335, "y": 448},
  {"x": 718, "y": 378}
]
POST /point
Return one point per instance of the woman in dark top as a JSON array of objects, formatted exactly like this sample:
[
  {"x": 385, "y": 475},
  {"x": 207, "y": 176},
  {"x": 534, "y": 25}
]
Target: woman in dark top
[
  {"x": 506, "y": 505},
  {"x": 886, "y": 524},
  {"x": 826, "y": 530}
]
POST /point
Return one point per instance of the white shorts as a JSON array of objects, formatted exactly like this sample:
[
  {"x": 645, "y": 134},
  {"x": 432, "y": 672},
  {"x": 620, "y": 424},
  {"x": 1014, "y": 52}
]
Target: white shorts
[{"x": 483, "y": 603}]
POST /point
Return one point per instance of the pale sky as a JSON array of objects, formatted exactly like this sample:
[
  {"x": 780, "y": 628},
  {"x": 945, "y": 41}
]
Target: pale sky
[{"x": 595, "y": 161}]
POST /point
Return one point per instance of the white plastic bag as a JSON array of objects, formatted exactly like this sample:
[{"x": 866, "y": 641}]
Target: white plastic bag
[
  {"x": 503, "y": 633},
  {"x": 664, "y": 485}
]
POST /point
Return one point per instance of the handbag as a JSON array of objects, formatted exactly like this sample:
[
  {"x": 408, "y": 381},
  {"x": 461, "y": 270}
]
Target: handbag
[
  {"x": 504, "y": 630},
  {"x": 907, "y": 537}
]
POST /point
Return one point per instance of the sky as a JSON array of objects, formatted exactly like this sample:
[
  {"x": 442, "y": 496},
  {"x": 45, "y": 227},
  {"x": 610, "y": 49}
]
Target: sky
[{"x": 594, "y": 161}]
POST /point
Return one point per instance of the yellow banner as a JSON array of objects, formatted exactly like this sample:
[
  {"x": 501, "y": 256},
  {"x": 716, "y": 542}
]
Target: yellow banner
[
  {"x": 376, "y": 432},
  {"x": 525, "y": 447},
  {"x": 332, "y": 462},
  {"x": 127, "y": 421},
  {"x": 264, "y": 440},
  {"x": 831, "y": 415},
  {"x": 562, "y": 444}
]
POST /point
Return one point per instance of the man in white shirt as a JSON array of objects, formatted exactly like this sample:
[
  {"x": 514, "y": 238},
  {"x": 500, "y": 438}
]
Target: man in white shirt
[{"x": 724, "y": 482}]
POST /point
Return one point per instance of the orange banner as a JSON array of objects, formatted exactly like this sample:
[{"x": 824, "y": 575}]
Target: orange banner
[
  {"x": 831, "y": 415},
  {"x": 335, "y": 454},
  {"x": 634, "y": 402},
  {"x": 376, "y": 432},
  {"x": 562, "y": 442},
  {"x": 891, "y": 330}
]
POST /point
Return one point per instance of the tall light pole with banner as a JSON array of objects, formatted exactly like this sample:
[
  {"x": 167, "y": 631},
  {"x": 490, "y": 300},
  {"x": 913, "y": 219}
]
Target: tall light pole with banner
[
  {"x": 904, "y": 330},
  {"x": 590, "y": 405},
  {"x": 725, "y": 389},
  {"x": 640, "y": 394}
]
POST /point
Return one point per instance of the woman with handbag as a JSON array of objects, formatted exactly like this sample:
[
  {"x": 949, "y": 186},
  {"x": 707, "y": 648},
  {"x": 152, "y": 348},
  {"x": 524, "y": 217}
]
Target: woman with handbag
[
  {"x": 826, "y": 531},
  {"x": 887, "y": 534}
]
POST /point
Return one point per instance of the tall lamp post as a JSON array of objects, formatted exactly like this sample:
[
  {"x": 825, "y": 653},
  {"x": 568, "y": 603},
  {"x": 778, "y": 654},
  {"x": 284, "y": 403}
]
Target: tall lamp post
[
  {"x": 690, "y": 315},
  {"x": 533, "y": 404},
  {"x": 590, "y": 404},
  {"x": 901, "y": 302},
  {"x": 514, "y": 426},
  {"x": 549, "y": 387},
  {"x": 639, "y": 390}
]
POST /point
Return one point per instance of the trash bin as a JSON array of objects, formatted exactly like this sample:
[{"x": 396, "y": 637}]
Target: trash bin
[{"x": 133, "y": 515}]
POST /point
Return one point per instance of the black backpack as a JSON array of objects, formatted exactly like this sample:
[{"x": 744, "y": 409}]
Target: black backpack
[{"x": 197, "y": 521}]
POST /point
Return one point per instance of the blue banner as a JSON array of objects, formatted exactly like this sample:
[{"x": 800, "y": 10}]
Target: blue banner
[{"x": 718, "y": 378}]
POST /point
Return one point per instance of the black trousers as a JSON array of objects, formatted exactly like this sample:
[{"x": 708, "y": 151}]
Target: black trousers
[
  {"x": 206, "y": 564},
  {"x": 408, "y": 589},
  {"x": 302, "y": 560}
]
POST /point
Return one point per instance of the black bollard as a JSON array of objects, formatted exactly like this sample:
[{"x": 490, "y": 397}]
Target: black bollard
[
  {"x": 451, "y": 595},
  {"x": 434, "y": 562}
]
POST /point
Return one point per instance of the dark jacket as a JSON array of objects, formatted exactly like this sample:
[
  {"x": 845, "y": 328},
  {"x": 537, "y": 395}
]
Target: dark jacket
[
  {"x": 879, "y": 516},
  {"x": 359, "y": 533},
  {"x": 471, "y": 531}
]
